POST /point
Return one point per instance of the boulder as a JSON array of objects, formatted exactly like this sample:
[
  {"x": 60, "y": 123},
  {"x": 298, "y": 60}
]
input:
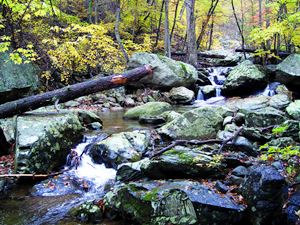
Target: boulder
[
  {"x": 16, "y": 80},
  {"x": 200, "y": 123},
  {"x": 265, "y": 191},
  {"x": 244, "y": 79},
  {"x": 178, "y": 202},
  {"x": 87, "y": 212},
  {"x": 208, "y": 91},
  {"x": 43, "y": 141},
  {"x": 131, "y": 171},
  {"x": 264, "y": 117},
  {"x": 292, "y": 209},
  {"x": 181, "y": 95},
  {"x": 167, "y": 74},
  {"x": 294, "y": 109},
  {"x": 121, "y": 148},
  {"x": 288, "y": 71},
  {"x": 148, "y": 109},
  {"x": 184, "y": 162}
]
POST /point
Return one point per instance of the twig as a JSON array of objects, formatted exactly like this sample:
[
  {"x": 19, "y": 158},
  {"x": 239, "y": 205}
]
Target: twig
[
  {"x": 197, "y": 142},
  {"x": 18, "y": 175}
]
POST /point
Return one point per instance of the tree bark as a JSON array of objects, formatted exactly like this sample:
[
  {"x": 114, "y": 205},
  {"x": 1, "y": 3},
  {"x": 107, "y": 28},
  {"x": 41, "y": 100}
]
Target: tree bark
[
  {"x": 175, "y": 20},
  {"x": 239, "y": 27},
  {"x": 117, "y": 34},
  {"x": 73, "y": 91},
  {"x": 159, "y": 23},
  {"x": 191, "y": 33},
  {"x": 167, "y": 31}
]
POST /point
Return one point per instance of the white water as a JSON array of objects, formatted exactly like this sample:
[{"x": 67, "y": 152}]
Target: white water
[
  {"x": 270, "y": 90},
  {"x": 98, "y": 174}
]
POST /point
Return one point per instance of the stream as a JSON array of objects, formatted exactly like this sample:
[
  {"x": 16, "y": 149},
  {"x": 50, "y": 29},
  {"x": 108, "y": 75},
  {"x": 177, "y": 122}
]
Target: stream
[{"x": 35, "y": 205}]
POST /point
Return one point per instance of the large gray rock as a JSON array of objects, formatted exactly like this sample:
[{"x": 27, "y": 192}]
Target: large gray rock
[
  {"x": 288, "y": 71},
  {"x": 148, "y": 109},
  {"x": 16, "y": 80},
  {"x": 265, "y": 191},
  {"x": 121, "y": 148},
  {"x": 294, "y": 109},
  {"x": 244, "y": 79},
  {"x": 43, "y": 142},
  {"x": 167, "y": 73},
  {"x": 200, "y": 123},
  {"x": 178, "y": 202},
  {"x": 184, "y": 162},
  {"x": 181, "y": 95}
]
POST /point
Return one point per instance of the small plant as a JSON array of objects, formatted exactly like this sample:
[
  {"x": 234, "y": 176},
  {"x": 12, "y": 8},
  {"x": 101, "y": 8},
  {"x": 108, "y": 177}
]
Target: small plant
[{"x": 279, "y": 130}]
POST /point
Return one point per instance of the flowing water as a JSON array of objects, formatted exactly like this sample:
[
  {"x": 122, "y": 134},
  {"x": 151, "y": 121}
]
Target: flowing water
[
  {"x": 49, "y": 202},
  {"x": 217, "y": 77}
]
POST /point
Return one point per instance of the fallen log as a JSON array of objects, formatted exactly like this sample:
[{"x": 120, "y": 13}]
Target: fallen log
[
  {"x": 31, "y": 175},
  {"x": 73, "y": 91},
  {"x": 201, "y": 55}
]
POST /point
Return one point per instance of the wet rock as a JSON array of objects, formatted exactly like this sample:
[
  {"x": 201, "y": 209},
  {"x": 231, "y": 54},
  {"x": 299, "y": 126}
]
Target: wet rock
[
  {"x": 152, "y": 120},
  {"x": 16, "y": 80},
  {"x": 87, "y": 212},
  {"x": 265, "y": 191},
  {"x": 88, "y": 117},
  {"x": 209, "y": 91},
  {"x": 170, "y": 115},
  {"x": 60, "y": 185},
  {"x": 240, "y": 171},
  {"x": 95, "y": 126},
  {"x": 43, "y": 141},
  {"x": 179, "y": 202},
  {"x": 221, "y": 187},
  {"x": 294, "y": 110},
  {"x": 121, "y": 148},
  {"x": 184, "y": 162},
  {"x": 131, "y": 171},
  {"x": 288, "y": 71},
  {"x": 292, "y": 209},
  {"x": 201, "y": 123},
  {"x": 244, "y": 79},
  {"x": 148, "y": 109},
  {"x": 167, "y": 73},
  {"x": 181, "y": 95}
]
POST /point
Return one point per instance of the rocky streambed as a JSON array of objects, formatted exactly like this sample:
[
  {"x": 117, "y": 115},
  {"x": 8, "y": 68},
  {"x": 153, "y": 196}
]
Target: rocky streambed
[{"x": 233, "y": 161}]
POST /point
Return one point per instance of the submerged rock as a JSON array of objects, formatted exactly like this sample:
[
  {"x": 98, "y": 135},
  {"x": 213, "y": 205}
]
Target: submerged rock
[
  {"x": 288, "y": 71},
  {"x": 244, "y": 79},
  {"x": 201, "y": 123},
  {"x": 87, "y": 212},
  {"x": 265, "y": 191},
  {"x": 121, "y": 148},
  {"x": 16, "y": 80},
  {"x": 167, "y": 73},
  {"x": 178, "y": 202},
  {"x": 148, "y": 109},
  {"x": 181, "y": 95}
]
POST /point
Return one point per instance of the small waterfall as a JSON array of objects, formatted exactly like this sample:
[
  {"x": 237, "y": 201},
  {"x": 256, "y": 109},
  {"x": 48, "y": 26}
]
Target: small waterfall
[
  {"x": 80, "y": 169},
  {"x": 218, "y": 91},
  {"x": 270, "y": 90},
  {"x": 200, "y": 95}
]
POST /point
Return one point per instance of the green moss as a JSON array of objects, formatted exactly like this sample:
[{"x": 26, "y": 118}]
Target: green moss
[{"x": 151, "y": 195}]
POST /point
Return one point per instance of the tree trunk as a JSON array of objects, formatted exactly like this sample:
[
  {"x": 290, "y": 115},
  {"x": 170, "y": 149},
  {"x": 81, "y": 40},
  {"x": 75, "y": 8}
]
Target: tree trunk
[
  {"x": 191, "y": 33},
  {"x": 167, "y": 31},
  {"x": 159, "y": 23},
  {"x": 73, "y": 91},
  {"x": 211, "y": 33},
  {"x": 260, "y": 13},
  {"x": 117, "y": 34},
  {"x": 174, "y": 21},
  {"x": 239, "y": 27}
]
